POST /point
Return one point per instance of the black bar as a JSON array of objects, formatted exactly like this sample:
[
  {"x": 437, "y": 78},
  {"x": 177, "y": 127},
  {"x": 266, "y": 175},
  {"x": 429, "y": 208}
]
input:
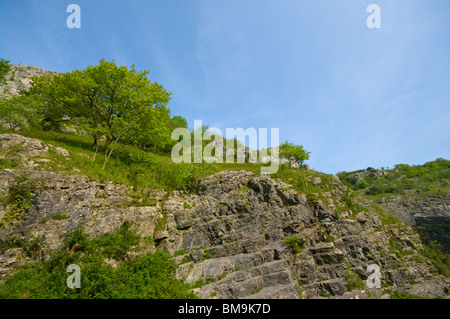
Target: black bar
[{"x": 229, "y": 308}]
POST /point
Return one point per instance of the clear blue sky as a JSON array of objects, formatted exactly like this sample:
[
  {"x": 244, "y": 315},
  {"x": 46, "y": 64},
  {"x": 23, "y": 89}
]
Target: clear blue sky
[{"x": 353, "y": 96}]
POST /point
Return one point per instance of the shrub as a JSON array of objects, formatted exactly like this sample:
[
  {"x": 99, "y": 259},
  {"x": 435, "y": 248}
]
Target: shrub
[
  {"x": 4, "y": 70},
  {"x": 353, "y": 280},
  {"x": 19, "y": 198},
  {"x": 438, "y": 256},
  {"x": 148, "y": 276},
  {"x": 294, "y": 153},
  {"x": 295, "y": 242}
]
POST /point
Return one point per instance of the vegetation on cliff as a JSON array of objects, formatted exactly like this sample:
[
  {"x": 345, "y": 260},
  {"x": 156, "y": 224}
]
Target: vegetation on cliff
[
  {"x": 146, "y": 277},
  {"x": 430, "y": 177},
  {"x": 113, "y": 126}
]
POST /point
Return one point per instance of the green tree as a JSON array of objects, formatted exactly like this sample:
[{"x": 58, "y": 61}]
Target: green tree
[
  {"x": 106, "y": 101},
  {"x": 152, "y": 128},
  {"x": 4, "y": 69},
  {"x": 20, "y": 113},
  {"x": 294, "y": 153},
  {"x": 178, "y": 121}
]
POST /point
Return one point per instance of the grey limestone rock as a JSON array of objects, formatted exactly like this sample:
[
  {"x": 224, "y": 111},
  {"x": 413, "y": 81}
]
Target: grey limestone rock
[{"x": 232, "y": 235}]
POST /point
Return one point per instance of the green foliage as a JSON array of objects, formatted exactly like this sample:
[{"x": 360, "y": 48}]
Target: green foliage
[
  {"x": 396, "y": 248},
  {"x": 153, "y": 279},
  {"x": 31, "y": 247},
  {"x": 150, "y": 276},
  {"x": 198, "y": 284},
  {"x": 429, "y": 177},
  {"x": 4, "y": 70},
  {"x": 178, "y": 122},
  {"x": 438, "y": 256},
  {"x": 401, "y": 295},
  {"x": 19, "y": 198},
  {"x": 161, "y": 223},
  {"x": 385, "y": 218},
  {"x": 59, "y": 216},
  {"x": 109, "y": 102},
  {"x": 179, "y": 252},
  {"x": 118, "y": 244},
  {"x": 21, "y": 112},
  {"x": 297, "y": 178},
  {"x": 143, "y": 169},
  {"x": 294, "y": 152},
  {"x": 186, "y": 259},
  {"x": 353, "y": 280},
  {"x": 295, "y": 242},
  {"x": 349, "y": 198},
  {"x": 11, "y": 156}
]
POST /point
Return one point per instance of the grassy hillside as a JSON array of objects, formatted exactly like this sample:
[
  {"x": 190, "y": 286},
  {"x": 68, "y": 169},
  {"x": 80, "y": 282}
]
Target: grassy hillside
[
  {"x": 431, "y": 177},
  {"x": 145, "y": 170}
]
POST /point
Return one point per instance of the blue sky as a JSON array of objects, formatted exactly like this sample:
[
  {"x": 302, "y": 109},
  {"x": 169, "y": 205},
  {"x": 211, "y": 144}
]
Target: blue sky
[{"x": 353, "y": 96}]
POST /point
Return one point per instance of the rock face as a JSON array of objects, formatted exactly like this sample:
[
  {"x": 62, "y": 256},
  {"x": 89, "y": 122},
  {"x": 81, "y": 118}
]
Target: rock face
[
  {"x": 240, "y": 236},
  {"x": 19, "y": 78},
  {"x": 64, "y": 203},
  {"x": 26, "y": 152},
  {"x": 369, "y": 172},
  {"x": 428, "y": 214},
  {"x": 234, "y": 238}
]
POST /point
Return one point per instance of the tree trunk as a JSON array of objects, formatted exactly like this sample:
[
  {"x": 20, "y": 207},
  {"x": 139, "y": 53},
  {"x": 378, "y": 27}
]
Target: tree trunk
[
  {"x": 107, "y": 143},
  {"x": 95, "y": 144}
]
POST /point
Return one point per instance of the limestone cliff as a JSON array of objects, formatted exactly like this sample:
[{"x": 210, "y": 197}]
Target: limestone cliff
[
  {"x": 19, "y": 78},
  {"x": 240, "y": 236},
  {"x": 418, "y": 195},
  {"x": 429, "y": 214}
]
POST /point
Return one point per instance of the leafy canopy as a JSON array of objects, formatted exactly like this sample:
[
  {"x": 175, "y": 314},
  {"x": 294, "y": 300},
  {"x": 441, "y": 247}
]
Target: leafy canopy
[
  {"x": 294, "y": 152},
  {"x": 4, "y": 69},
  {"x": 107, "y": 101},
  {"x": 20, "y": 113}
]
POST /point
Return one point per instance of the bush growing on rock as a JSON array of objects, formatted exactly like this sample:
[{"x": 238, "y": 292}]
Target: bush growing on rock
[
  {"x": 295, "y": 242},
  {"x": 150, "y": 276}
]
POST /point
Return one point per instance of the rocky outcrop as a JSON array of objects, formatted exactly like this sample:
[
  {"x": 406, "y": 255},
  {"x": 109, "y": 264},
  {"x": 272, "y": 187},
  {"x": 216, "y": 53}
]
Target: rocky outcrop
[
  {"x": 19, "y": 78},
  {"x": 64, "y": 203},
  {"x": 241, "y": 236},
  {"x": 26, "y": 152},
  {"x": 429, "y": 214},
  {"x": 234, "y": 235}
]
